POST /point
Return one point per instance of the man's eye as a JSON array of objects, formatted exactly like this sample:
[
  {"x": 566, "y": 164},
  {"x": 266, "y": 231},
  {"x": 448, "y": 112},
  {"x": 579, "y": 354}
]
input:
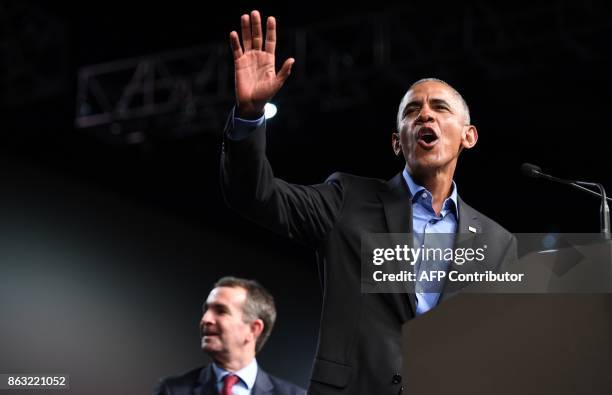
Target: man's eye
[{"x": 219, "y": 311}]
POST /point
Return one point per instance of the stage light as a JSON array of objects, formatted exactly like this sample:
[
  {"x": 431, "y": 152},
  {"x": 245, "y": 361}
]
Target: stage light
[{"x": 270, "y": 110}]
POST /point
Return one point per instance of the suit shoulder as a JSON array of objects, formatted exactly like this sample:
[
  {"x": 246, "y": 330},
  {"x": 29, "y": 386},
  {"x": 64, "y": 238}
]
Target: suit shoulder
[
  {"x": 183, "y": 381},
  {"x": 359, "y": 181},
  {"x": 283, "y": 387}
]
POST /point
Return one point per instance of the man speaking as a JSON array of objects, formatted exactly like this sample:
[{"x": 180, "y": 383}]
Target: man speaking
[{"x": 359, "y": 348}]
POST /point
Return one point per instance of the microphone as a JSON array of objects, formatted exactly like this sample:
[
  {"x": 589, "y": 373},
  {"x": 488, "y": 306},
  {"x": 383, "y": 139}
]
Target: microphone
[
  {"x": 534, "y": 171},
  {"x": 530, "y": 170}
]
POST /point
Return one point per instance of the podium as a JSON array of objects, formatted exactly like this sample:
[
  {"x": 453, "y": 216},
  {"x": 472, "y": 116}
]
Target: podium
[{"x": 509, "y": 344}]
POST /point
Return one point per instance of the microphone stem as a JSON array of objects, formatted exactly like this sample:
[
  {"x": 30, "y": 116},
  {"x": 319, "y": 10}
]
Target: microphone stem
[
  {"x": 589, "y": 191},
  {"x": 604, "y": 210},
  {"x": 575, "y": 185}
]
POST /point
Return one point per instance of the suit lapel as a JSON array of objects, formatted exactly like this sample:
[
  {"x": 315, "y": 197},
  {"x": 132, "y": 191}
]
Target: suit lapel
[
  {"x": 468, "y": 230},
  {"x": 397, "y": 205},
  {"x": 263, "y": 385},
  {"x": 206, "y": 383}
]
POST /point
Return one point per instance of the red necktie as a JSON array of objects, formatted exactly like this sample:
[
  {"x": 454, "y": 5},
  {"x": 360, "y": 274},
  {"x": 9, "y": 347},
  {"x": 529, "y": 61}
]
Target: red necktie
[{"x": 228, "y": 383}]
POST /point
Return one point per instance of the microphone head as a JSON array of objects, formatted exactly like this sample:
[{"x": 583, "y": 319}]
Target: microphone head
[{"x": 531, "y": 170}]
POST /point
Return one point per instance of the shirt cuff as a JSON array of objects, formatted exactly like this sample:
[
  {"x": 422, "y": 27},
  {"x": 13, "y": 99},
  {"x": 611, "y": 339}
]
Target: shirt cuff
[{"x": 244, "y": 127}]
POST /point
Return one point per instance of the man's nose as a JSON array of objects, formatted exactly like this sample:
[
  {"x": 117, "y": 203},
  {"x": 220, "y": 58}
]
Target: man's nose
[
  {"x": 207, "y": 319},
  {"x": 425, "y": 115}
]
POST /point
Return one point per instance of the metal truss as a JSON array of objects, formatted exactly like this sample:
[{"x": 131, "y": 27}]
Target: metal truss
[
  {"x": 190, "y": 91},
  {"x": 178, "y": 90}
]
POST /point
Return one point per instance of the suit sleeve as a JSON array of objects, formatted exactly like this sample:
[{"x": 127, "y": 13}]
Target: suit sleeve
[{"x": 303, "y": 213}]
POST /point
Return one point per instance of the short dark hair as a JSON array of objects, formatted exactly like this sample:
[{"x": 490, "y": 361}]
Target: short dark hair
[
  {"x": 259, "y": 304},
  {"x": 403, "y": 102}
]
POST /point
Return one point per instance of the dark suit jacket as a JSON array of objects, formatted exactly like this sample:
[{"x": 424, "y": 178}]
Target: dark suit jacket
[
  {"x": 359, "y": 348},
  {"x": 201, "y": 381}
]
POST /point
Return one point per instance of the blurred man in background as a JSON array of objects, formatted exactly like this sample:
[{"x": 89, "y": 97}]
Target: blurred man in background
[{"x": 239, "y": 315}]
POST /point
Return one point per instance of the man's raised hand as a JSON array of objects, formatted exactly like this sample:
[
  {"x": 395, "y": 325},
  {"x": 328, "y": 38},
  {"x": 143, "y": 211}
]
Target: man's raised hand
[{"x": 256, "y": 78}]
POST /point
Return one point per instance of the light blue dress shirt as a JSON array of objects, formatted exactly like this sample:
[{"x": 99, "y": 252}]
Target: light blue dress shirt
[
  {"x": 425, "y": 221},
  {"x": 247, "y": 376},
  {"x": 242, "y": 127}
]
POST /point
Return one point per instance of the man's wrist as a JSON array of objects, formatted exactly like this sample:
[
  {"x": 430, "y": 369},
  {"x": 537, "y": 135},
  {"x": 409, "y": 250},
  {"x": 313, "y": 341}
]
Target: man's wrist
[
  {"x": 244, "y": 127},
  {"x": 249, "y": 113},
  {"x": 238, "y": 121}
]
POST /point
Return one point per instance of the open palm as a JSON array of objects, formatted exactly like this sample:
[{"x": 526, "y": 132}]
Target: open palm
[{"x": 256, "y": 78}]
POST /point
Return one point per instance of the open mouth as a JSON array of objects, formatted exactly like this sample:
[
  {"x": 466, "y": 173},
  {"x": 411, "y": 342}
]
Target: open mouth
[{"x": 427, "y": 137}]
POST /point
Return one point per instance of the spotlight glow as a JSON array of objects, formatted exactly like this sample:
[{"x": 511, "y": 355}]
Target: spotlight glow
[{"x": 270, "y": 110}]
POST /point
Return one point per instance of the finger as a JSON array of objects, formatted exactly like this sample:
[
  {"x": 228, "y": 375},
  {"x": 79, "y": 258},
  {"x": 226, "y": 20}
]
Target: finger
[
  {"x": 284, "y": 72},
  {"x": 271, "y": 35},
  {"x": 256, "y": 30},
  {"x": 245, "y": 23},
  {"x": 235, "y": 45}
]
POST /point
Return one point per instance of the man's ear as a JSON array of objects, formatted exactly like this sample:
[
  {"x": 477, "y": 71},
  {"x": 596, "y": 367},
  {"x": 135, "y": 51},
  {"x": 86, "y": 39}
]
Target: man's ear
[
  {"x": 470, "y": 137},
  {"x": 257, "y": 326},
  {"x": 395, "y": 144}
]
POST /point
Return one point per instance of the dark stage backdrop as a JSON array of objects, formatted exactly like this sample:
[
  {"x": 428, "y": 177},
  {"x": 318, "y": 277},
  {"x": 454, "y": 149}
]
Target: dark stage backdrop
[{"x": 108, "y": 251}]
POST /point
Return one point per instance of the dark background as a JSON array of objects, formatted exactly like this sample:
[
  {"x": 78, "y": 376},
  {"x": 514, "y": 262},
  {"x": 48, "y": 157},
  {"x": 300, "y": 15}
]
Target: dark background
[{"x": 108, "y": 249}]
